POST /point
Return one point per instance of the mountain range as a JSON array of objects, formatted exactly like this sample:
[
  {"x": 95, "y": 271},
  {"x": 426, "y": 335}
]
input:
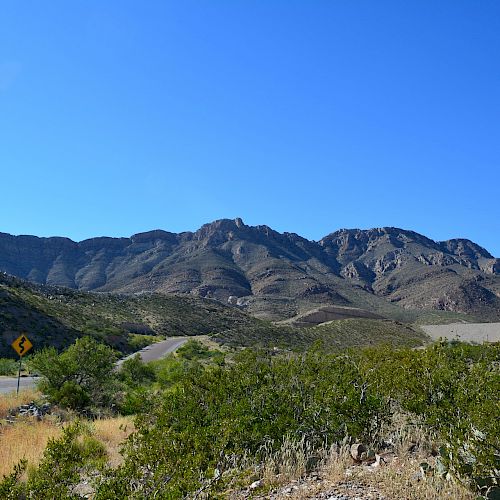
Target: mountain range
[{"x": 395, "y": 273}]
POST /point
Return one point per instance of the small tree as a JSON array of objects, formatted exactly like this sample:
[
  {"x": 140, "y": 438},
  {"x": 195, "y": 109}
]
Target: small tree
[
  {"x": 7, "y": 366},
  {"x": 135, "y": 373},
  {"x": 80, "y": 377}
]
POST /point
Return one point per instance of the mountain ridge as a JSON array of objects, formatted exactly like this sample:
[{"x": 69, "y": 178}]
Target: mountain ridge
[
  {"x": 238, "y": 223},
  {"x": 275, "y": 275}
]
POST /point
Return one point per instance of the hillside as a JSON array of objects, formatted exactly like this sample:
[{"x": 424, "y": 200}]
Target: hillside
[
  {"x": 332, "y": 336},
  {"x": 392, "y": 272},
  {"x": 56, "y": 316}
]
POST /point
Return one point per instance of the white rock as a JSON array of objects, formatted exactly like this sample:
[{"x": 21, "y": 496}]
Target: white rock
[{"x": 256, "y": 484}]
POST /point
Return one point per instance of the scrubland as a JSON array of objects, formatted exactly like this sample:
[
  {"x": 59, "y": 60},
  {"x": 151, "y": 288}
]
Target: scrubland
[{"x": 393, "y": 422}]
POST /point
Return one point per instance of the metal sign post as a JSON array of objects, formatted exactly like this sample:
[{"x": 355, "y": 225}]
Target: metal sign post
[
  {"x": 19, "y": 374},
  {"x": 21, "y": 345}
]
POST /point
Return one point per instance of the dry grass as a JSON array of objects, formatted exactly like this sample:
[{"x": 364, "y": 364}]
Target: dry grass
[
  {"x": 398, "y": 480},
  {"x": 287, "y": 464},
  {"x": 292, "y": 465},
  {"x": 28, "y": 439},
  {"x": 112, "y": 432},
  {"x": 335, "y": 464},
  {"x": 25, "y": 439},
  {"x": 11, "y": 400},
  {"x": 401, "y": 480},
  {"x": 287, "y": 474}
]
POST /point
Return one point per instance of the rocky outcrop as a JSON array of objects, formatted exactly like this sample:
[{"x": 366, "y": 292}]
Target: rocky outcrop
[
  {"x": 491, "y": 266},
  {"x": 465, "y": 248}
]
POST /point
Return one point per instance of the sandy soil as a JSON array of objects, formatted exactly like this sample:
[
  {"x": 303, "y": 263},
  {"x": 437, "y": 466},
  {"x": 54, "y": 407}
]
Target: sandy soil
[{"x": 468, "y": 332}]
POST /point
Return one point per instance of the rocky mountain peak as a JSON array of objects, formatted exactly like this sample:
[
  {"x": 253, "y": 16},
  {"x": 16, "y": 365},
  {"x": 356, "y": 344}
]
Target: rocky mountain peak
[
  {"x": 239, "y": 222},
  {"x": 354, "y": 242},
  {"x": 219, "y": 231}
]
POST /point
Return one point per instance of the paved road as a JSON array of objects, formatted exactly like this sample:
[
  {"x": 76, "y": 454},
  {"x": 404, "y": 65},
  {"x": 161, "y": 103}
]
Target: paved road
[
  {"x": 9, "y": 384},
  {"x": 149, "y": 353},
  {"x": 158, "y": 350}
]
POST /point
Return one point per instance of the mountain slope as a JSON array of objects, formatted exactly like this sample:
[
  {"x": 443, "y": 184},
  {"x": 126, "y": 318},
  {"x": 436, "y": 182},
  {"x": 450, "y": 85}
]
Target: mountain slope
[
  {"x": 389, "y": 271},
  {"x": 418, "y": 273},
  {"x": 56, "y": 316}
]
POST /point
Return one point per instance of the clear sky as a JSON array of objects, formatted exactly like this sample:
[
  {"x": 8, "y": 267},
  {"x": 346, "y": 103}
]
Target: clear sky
[{"x": 118, "y": 117}]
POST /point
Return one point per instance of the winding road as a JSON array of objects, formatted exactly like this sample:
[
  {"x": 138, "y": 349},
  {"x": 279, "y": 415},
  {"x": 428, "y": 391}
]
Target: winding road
[
  {"x": 157, "y": 350},
  {"x": 149, "y": 353}
]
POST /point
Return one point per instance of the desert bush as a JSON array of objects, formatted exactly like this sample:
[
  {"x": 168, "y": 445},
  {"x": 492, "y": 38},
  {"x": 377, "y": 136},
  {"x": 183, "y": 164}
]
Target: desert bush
[
  {"x": 138, "y": 341},
  {"x": 193, "y": 349},
  {"x": 453, "y": 388},
  {"x": 172, "y": 370},
  {"x": 135, "y": 377},
  {"x": 214, "y": 417},
  {"x": 8, "y": 367},
  {"x": 134, "y": 373},
  {"x": 11, "y": 487},
  {"x": 163, "y": 374},
  {"x": 65, "y": 460},
  {"x": 79, "y": 378}
]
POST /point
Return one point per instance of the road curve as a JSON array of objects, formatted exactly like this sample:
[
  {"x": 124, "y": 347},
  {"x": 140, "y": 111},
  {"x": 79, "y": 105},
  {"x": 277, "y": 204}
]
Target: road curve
[
  {"x": 157, "y": 350},
  {"x": 149, "y": 353}
]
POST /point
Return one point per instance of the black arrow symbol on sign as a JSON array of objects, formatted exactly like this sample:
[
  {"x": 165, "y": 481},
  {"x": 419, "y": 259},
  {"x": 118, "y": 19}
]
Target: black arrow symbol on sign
[{"x": 21, "y": 344}]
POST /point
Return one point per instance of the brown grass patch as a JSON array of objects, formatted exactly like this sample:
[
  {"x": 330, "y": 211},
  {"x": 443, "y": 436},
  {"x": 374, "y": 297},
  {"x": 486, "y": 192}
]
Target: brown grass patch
[
  {"x": 28, "y": 438},
  {"x": 112, "y": 432},
  {"x": 25, "y": 439}
]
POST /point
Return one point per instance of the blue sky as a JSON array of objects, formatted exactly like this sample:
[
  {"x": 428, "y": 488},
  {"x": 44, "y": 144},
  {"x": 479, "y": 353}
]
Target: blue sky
[{"x": 119, "y": 117}]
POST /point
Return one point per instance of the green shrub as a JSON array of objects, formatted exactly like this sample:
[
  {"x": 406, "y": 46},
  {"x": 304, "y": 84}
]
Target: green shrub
[
  {"x": 193, "y": 349},
  {"x": 135, "y": 376},
  {"x": 214, "y": 417},
  {"x": 134, "y": 373},
  {"x": 453, "y": 388},
  {"x": 137, "y": 341},
  {"x": 134, "y": 401},
  {"x": 11, "y": 487},
  {"x": 8, "y": 367},
  {"x": 79, "y": 378},
  {"x": 172, "y": 370}
]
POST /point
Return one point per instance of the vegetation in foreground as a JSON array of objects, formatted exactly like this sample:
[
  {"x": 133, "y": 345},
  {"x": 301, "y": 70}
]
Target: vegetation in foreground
[
  {"x": 8, "y": 367},
  {"x": 203, "y": 419}
]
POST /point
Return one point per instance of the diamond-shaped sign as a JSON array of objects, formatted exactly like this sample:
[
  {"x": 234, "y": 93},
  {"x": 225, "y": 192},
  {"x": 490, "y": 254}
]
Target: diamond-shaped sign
[{"x": 22, "y": 345}]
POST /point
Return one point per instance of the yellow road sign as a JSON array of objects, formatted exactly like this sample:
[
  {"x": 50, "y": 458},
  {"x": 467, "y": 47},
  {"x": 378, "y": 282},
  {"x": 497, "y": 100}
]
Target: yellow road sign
[{"x": 21, "y": 345}]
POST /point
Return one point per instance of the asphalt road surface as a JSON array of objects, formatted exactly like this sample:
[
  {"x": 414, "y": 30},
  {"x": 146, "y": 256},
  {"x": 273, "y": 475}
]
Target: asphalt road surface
[
  {"x": 9, "y": 384},
  {"x": 149, "y": 353},
  {"x": 157, "y": 350}
]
